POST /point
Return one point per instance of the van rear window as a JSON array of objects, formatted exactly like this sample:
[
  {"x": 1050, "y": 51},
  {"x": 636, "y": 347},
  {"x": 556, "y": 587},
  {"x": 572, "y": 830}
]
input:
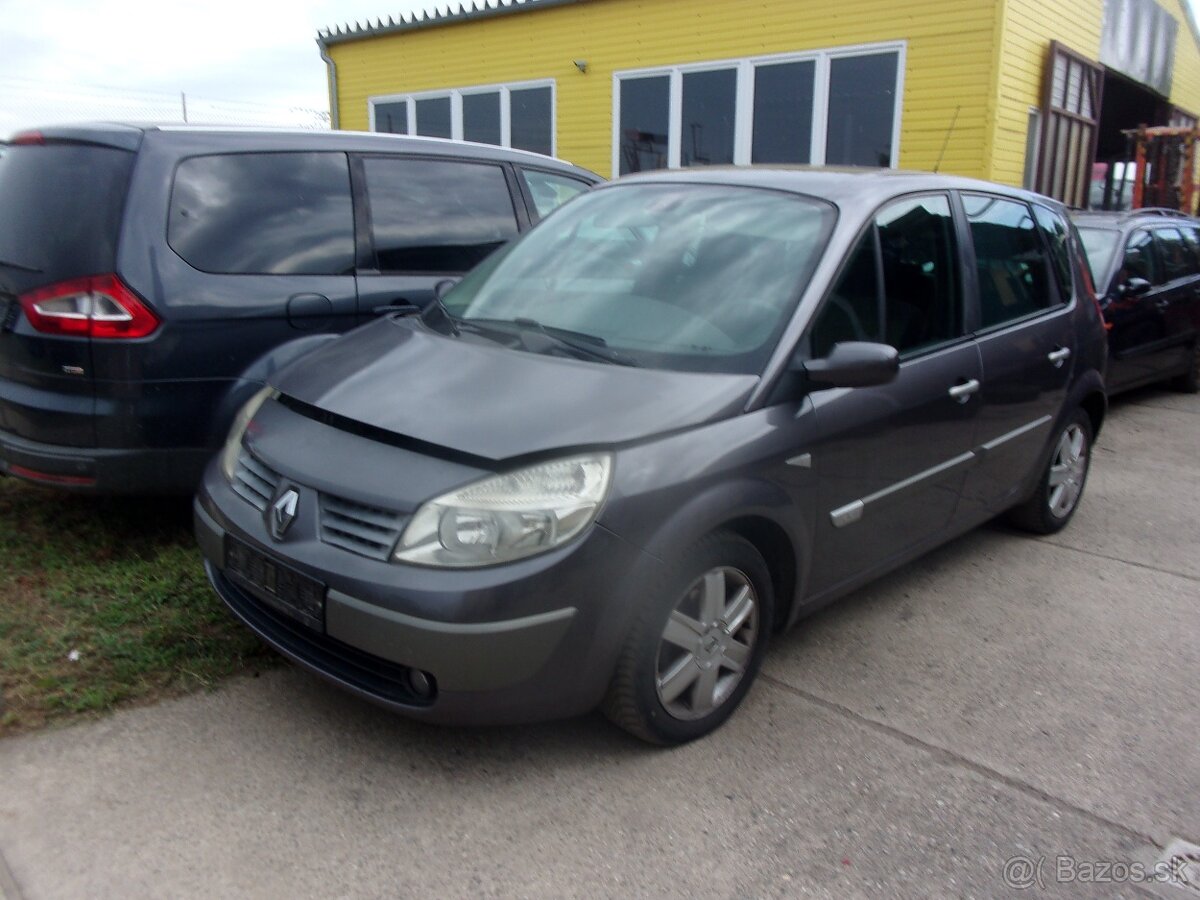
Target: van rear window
[
  {"x": 264, "y": 213},
  {"x": 60, "y": 208}
]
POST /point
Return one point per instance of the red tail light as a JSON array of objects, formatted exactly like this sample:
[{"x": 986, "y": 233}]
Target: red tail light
[
  {"x": 99, "y": 306},
  {"x": 28, "y": 137}
]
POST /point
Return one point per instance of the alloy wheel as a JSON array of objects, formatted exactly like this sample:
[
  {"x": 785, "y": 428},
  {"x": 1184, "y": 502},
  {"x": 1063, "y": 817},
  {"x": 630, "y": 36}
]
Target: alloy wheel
[
  {"x": 707, "y": 643},
  {"x": 1067, "y": 471}
]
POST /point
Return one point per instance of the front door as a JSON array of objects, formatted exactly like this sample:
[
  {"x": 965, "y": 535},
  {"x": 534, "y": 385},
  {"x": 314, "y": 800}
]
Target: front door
[{"x": 891, "y": 460}]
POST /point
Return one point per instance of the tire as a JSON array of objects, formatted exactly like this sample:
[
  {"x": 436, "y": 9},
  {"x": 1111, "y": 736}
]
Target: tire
[
  {"x": 1189, "y": 381},
  {"x": 1051, "y": 506},
  {"x": 676, "y": 679}
]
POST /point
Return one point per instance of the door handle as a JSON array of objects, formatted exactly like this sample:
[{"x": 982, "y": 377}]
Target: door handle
[
  {"x": 1059, "y": 356},
  {"x": 962, "y": 392}
]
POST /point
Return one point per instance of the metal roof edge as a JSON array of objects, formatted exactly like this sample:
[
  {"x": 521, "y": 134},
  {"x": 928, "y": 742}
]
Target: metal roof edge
[{"x": 458, "y": 12}]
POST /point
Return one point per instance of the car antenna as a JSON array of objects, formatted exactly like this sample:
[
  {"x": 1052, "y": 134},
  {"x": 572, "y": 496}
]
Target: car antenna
[{"x": 946, "y": 142}]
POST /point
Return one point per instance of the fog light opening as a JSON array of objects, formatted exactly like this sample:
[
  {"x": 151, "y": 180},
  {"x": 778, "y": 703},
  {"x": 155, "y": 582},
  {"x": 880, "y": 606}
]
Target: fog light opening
[{"x": 421, "y": 683}]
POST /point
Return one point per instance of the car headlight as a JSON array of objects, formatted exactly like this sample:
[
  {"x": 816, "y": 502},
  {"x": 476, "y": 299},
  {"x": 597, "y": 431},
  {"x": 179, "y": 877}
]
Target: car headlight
[
  {"x": 507, "y": 517},
  {"x": 233, "y": 443}
]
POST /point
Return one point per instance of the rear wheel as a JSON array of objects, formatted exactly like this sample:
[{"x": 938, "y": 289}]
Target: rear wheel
[
  {"x": 1189, "y": 381},
  {"x": 692, "y": 655},
  {"x": 1057, "y": 496}
]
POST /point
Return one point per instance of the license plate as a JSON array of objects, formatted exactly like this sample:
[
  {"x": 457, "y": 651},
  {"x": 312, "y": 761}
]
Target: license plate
[{"x": 279, "y": 586}]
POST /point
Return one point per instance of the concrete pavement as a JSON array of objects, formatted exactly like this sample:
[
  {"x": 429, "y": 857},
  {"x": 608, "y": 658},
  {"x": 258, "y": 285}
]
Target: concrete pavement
[{"x": 1004, "y": 697}]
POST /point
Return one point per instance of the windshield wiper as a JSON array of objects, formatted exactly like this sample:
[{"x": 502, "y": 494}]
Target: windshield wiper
[{"x": 582, "y": 344}]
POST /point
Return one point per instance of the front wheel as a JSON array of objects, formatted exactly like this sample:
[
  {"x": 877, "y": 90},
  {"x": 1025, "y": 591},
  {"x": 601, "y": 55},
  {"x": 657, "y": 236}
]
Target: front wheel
[
  {"x": 1061, "y": 486},
  {"x": 698, "y": 644}
]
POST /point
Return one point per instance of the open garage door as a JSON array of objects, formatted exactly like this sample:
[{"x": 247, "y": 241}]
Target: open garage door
[{"x": 1071, "y": 101}]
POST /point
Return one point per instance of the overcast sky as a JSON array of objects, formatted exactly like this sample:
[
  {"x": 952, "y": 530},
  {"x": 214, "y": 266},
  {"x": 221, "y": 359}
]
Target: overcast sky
[
  {"x": 238, "y": 61},
  {"x": 78, "y": 59}
]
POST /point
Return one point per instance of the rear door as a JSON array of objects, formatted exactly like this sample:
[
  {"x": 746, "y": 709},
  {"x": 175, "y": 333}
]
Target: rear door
[
  {"x": 423, "y": 220},
  {"x": 60, "y": 214},
  {"x": 1179, "y": 298},
  {"x": 891, "y": 460},
  {"x": 1026, "y": 339}
]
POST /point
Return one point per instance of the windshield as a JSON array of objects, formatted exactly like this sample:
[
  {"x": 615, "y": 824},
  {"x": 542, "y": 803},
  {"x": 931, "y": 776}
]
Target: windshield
[
  {"x": 676, "y": 276},
  {"x": 1100, "y": 243}
]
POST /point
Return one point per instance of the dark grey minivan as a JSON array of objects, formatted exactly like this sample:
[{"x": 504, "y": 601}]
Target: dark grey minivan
[
  {"x": 152, "y": 278},
  {"x": 682, "y": 413}
]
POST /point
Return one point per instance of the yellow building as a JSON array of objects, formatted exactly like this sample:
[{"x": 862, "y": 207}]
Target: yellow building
[{"x": 1033, "y": 92}]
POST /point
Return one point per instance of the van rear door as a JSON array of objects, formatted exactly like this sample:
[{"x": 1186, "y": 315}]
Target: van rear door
[{"x": 60, "y": 213}]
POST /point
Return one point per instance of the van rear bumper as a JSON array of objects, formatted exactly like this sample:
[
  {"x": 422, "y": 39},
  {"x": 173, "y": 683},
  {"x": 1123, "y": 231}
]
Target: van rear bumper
[{"x": 93, "y": 470}]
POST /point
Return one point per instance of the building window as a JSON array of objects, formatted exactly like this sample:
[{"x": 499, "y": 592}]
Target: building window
[
  {"x": 508, "y": 115},
  {"x": 837, "y": 107}
]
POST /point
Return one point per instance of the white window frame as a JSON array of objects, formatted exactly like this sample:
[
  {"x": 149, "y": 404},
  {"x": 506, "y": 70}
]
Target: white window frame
[
  {"x": 743, "y": 129},
  {"x": 505, "y": 90}
]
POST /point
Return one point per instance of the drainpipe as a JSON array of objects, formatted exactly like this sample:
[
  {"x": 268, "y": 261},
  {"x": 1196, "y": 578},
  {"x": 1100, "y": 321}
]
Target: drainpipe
[{"x": 334, "y": 118}]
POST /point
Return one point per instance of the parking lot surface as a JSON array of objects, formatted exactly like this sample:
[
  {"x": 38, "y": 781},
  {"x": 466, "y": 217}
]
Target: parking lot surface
[{"x": 1005, "y": 698}]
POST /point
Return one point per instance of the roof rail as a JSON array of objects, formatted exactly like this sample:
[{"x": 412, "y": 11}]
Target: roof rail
[{"x": 1158, "y": 211}]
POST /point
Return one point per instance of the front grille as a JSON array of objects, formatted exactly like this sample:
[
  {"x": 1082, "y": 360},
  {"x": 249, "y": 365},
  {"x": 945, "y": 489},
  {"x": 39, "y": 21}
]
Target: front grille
[
  {"x": 366, "y": 530},
  {"x": 254, "y": 482}
]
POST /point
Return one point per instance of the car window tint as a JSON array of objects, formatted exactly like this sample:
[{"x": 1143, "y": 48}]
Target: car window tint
[
  {"x": 1014, "y": 271},
  {"x": 436, "y": 215},
  {"x": 549, "y": 192},
  {"x": 1140, "y": 260},
  {"x": 1191, "y": 234},
  {"x": 851, "y": 312},
  {"x": 1054, "y": 230},
  {"x": 1175, "y": 255},
  {"x": 264, "y": 213},
  {"x": 922, "y": 296}
]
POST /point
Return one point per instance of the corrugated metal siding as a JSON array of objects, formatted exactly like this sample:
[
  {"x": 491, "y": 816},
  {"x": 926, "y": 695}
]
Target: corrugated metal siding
[{"x": 950, "y": 56}]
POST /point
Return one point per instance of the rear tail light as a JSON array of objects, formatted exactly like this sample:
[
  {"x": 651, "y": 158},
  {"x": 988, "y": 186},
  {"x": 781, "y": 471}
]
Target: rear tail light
[
  {"x": 99, "y": 306},
  {"x": 28, "y": 137}
]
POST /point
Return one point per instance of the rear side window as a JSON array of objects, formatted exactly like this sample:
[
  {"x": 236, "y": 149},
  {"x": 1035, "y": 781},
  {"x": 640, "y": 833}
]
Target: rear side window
[
  {"x": 436, "y": 215},
  {"x": 1176, "y": 256},
  {"x": 1054, "y": 230},
  {"x": 911, "y": 244},
  {"x": 60, "y": 208},
  {"x": 549, "y": 192},
  {"x": 1014, "y": 270},
  {"x": 264, "y": 213}
]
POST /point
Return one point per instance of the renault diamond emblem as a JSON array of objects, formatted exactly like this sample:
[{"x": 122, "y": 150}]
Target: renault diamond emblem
[{"x": 283, "y": 513}]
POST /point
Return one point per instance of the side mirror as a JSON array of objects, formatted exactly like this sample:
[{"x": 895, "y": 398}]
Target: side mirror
[
  {"x": 854, "y": 364},
  {"x": 1134, "y": 287}
]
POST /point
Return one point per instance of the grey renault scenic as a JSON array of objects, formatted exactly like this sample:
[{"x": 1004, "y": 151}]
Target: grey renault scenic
[{"x": 683, "y": 412}]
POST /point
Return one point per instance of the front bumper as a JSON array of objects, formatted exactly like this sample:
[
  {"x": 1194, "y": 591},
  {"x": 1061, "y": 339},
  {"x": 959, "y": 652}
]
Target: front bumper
[{"x": 532, "y": 640}]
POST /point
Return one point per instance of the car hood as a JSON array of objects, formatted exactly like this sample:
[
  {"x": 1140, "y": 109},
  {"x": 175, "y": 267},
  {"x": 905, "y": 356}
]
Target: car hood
[{"x": 493, "y": 402}]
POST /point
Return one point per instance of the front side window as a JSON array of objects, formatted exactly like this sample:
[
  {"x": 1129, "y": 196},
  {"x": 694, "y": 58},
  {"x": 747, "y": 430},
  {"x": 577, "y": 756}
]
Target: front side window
[
  {"x": 1176, "y": 256},
  {"x": 264, "y": 213},
  {"x": 549, "y": 191},
  {"x": 688, "y": 277},
  {"x": 1140, "y": 260},
  {"x": 436, "y": 215},
  {"x": 518, "y": 115},
  {"x": 833, "y": 107},
  {"x": 1013, "y": 267},
  {"x": 918, "y": 304}
]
